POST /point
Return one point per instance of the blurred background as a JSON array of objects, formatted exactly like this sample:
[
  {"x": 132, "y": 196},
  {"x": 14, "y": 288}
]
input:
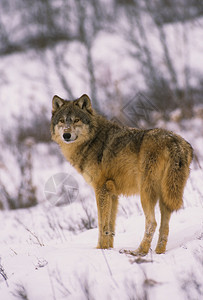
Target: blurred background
[{"x": 143, "y": 55}]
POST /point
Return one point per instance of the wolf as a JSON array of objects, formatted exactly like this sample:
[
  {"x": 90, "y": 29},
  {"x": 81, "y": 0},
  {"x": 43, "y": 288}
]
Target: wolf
[{"x": 115, "y": 160}]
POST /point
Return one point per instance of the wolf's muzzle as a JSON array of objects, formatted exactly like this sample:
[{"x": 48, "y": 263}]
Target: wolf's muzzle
[{"x": 67, "y": 136}]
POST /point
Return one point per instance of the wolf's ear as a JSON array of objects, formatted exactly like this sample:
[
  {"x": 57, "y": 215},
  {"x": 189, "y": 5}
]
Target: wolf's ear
[
  {"x": 57, "y": 102},
  {"x": 84, "y": 103}
]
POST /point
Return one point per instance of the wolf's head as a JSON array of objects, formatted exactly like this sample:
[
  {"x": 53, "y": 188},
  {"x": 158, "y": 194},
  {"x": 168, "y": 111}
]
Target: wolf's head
[{"x": 71, "y": 120}]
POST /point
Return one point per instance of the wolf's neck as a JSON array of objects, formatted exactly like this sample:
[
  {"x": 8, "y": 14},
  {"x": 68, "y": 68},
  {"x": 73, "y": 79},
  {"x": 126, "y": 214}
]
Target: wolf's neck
[
  {"x": 68, "y": 151},
  {"x": 88, "y": 152}
]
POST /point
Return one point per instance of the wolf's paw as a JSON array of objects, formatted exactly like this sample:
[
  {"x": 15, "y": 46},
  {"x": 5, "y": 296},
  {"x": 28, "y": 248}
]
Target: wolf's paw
[
  {"x": 161, "y": 246},
  {"x": 106, "y": 240},
  {"x": 137, "y": 252},
  {"x": 102, "y": 247},
  {"x": 160, "y": 249}
]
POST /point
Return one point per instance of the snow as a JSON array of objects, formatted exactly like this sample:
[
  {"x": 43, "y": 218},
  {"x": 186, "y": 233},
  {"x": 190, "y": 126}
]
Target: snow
[{"x": 74, "y": 267}]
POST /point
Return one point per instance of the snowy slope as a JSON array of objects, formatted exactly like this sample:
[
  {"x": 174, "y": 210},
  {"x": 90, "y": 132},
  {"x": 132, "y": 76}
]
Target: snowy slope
[{"x": 74, "y": 269}]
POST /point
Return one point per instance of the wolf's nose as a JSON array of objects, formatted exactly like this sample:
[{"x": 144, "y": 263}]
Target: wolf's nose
[{"x": 66, "y": 136}]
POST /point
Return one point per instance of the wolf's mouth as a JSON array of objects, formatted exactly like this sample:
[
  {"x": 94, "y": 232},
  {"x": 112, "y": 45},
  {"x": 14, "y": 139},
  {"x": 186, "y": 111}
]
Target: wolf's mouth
[{"x": 68, "y": 137}]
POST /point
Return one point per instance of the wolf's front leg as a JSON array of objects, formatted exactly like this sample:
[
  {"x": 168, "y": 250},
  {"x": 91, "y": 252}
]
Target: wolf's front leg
[
  {"x": 114, "y": 208},
  {"x": 105, "y": 198}
]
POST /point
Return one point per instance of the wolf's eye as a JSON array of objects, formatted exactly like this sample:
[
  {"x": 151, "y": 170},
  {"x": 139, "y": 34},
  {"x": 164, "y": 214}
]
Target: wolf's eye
[
  {"x": 61, "y": 120},
  {"x": 76, "y": 120}
]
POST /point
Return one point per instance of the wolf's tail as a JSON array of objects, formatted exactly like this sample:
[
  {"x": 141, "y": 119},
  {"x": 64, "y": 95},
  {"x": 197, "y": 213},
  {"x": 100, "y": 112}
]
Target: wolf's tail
[{"x": 175, "y": 176}]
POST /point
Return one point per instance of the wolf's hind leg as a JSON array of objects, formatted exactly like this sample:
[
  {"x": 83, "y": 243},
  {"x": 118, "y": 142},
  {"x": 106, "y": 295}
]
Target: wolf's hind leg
[
  {"x": 148, "y": 203},
  {"x": 164, "y": 228},
  {"x": 105, "y": 204}
]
